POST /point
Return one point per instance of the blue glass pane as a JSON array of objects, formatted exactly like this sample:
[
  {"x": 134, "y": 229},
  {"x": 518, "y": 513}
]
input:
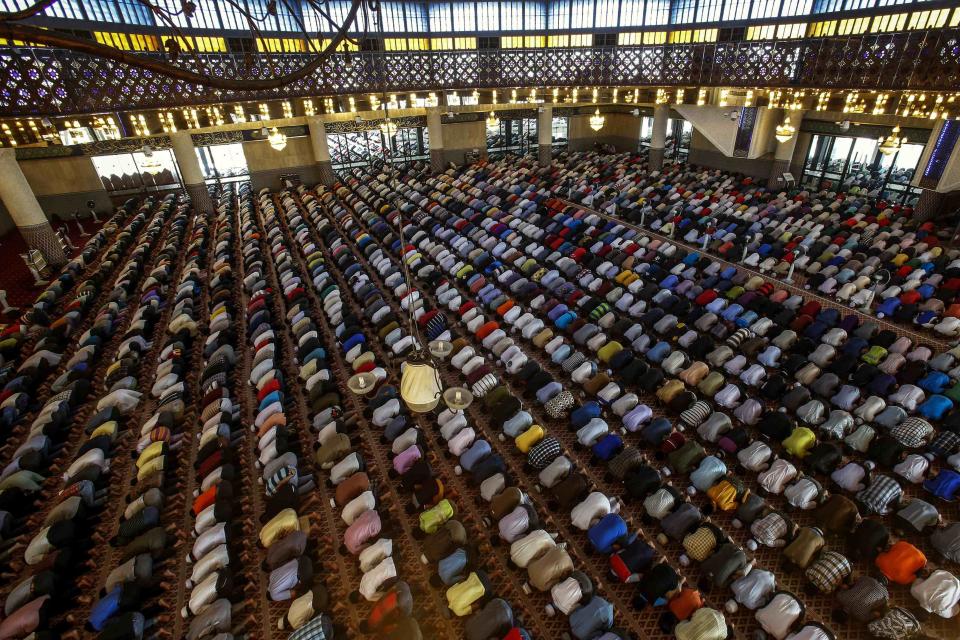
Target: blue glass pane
[
  {"x": 132, "y": 12},
  {"x": 559, "y": 17},
  {"x": 535, "y": 16},
  {"x": 103, "y": 11}
]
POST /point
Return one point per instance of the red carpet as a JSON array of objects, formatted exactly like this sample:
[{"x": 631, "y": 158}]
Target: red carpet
[{"x": 15, "y": 277}]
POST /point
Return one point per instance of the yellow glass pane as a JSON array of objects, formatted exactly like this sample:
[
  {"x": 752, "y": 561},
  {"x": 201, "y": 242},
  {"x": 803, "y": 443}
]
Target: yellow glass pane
[
  {"x": 654, "y": 37},
  {"x": 705, "y": 35}
]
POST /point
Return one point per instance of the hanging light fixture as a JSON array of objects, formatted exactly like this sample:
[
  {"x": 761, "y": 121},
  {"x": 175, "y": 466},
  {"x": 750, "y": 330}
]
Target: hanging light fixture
[
  {"x": 785, "y": 130},
  {"x": 892, "y": 143},
  {"x": 440, "y": 348},
  {"x": 457, "y": 398},
  {"x": 420, "y": 384},
  {"x": 388, "y": 127},
  {"x": 493, "y": 120},
  {"x": 597, "y": 121},
  {"x": 277, "y": 139},
  {"x": 362, "y": 383},
  {"x": 150, "y": 162}
]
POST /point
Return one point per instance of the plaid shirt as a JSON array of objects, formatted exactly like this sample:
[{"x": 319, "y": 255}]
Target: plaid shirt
[
  {"x": 700, "y": 544},
  {"x": 544, "y": 452},
  {"x": 771, "y": 530},
  {"x": 866, "y": 596},
  {"x": 880, "y": 495},
  {"x": 320, "y": 628},
  {"x": 828, "y": 571},
  {"x": 912, "y": 432},
  {"x": 945, "y": 444}
]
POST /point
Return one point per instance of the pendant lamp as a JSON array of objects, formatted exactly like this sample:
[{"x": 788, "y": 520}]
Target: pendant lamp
[
  {"x": 457, "y": 398},
  {"x": 362, "y": 383},
  {"x": 420, "y": 385}
]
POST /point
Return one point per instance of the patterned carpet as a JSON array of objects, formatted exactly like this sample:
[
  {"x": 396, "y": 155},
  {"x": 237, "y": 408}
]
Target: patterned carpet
[{"x": 15, "y": 277}]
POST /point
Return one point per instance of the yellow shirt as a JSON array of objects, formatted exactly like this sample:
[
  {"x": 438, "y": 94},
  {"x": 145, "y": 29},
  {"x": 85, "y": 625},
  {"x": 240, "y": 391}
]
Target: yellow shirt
[{"x": 279, "y": 526}]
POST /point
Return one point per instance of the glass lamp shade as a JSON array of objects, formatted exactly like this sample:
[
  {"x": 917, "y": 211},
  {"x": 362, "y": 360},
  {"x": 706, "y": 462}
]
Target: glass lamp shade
[
  {"x": 277, "y": 139},
  {"x": 597, "y": 120},
  {"x": 420, "y": 386},
  {"x": 440, "y": 348},
  {"x": 457, "y": 398},
  {"x": 362, "y": 383},
  {"x": 784, "y": 131}
]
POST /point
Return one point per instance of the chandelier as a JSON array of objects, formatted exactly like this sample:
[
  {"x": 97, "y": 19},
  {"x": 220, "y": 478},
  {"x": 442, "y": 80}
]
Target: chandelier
[
  {"x": 493, "y": 120},
  {"x": 388, "y": 127},
  {"x": 785, "y": 131},
  {"x": 277, "y": 139},
  {"x": 150, "y": 162},
  {"x": 597, "y": 120},
  {"x": 892, "y": 143}
]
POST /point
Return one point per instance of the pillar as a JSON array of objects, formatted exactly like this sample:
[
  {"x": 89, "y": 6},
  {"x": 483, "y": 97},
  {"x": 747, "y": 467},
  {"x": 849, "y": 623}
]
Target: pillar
[
  {"x": 25, "y": 211},
  {"x": 435, "y": 133},
  {"x": 189, "y": 164},
  {"x": 938, "y": 173},
  {"x": 321, "y": 152},
  {"x": 783, "y": 152},
  {"x": 545, "y": 135},
  {"x": 658, "y": 138}
]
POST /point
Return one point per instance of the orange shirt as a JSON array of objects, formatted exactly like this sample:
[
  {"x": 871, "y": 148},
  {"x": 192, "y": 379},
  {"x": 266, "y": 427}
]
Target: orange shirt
[
  {"x": 901, "y": 562},
  {"x": 685, "y": 603},
  {"x": 487, "y": 329},
  {"x": 204, "y": 500}
]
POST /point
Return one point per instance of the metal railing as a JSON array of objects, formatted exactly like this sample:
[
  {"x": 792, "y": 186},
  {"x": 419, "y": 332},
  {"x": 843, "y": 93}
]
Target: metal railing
[{"x": 46, "y": 81}]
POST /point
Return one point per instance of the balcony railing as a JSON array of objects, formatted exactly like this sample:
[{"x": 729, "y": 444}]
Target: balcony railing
[{"x": 45, "y": 81}]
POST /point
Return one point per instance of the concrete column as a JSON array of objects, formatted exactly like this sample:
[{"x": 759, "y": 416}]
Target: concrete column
[
  {"x": 25, "y": 211},
  {"x": 189, "y": 164},
  {"x": 658, "y": 138},
  {"x": 938, "y": 173},
  {"x": 435, "y": 133},
  {"x": 545, "y": 135},
  {"x": 783, "y": 152},
  {"x": 321, "y": 152}
]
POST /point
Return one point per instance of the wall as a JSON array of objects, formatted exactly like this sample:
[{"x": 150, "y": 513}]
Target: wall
[
  {"x": 622, "y": 130},
  {"x": 800, "y": 151},
  {"x": 702, "y": 152},
  {"x": 266, "y": 164},
  {"x": 713, "y": 124},
  {"x": 461, "y": 138},
  {"x": 63, "y": 185},
  {"x": 764, "y": 142}
]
